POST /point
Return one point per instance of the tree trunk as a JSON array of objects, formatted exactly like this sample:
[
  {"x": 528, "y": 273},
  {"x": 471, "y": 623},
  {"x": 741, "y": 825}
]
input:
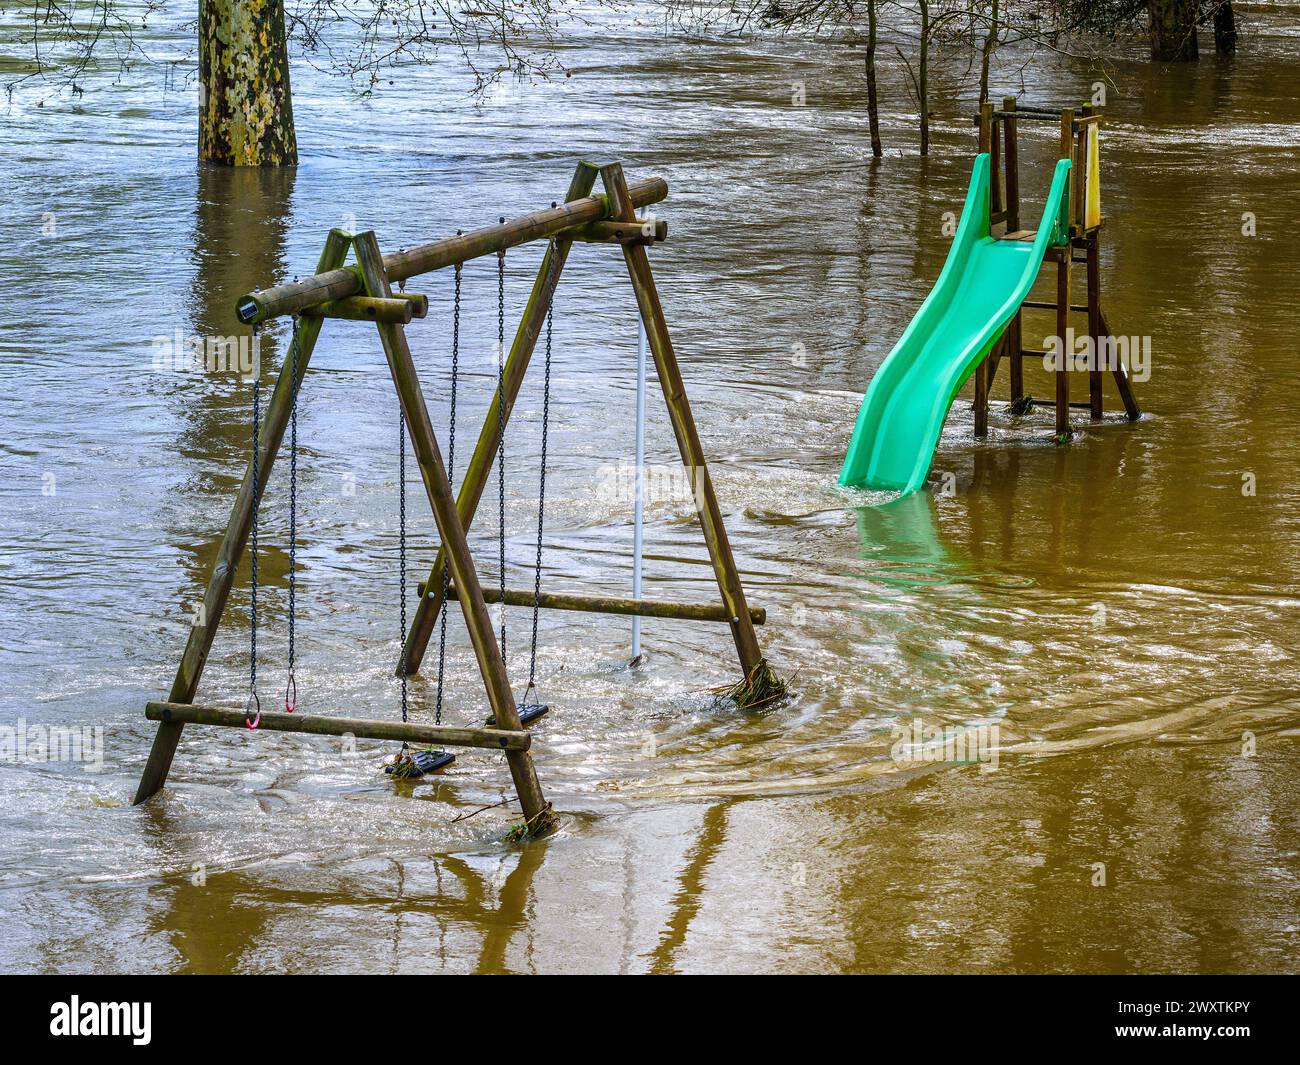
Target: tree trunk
[
  {"x": 873, "y": 103},
  {"x": 990, "y": 43},
  {"x": 1173, "y": 30},
  {"x": 1225, "y": 29},
  {"x": 245, "y": 110},
  {"x": 923, "y": 87}
]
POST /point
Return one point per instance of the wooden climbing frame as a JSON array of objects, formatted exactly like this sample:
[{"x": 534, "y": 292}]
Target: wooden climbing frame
[
  {"x": 363, "y": 292},
  {"x": 998, "y": 135}
]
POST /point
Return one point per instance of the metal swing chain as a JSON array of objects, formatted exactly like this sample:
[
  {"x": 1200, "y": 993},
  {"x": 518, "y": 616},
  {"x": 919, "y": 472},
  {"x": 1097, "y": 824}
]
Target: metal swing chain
[
  {"x": 291, "y": 684},
  {"x": 451, "y": 469},
  {"x": 401, "y": 510},
  {"x": 253, "y": 705},
  {"x": 541, "y": 481},
  {"x": 501, "y": 433},
  {"x": 401, "y": 538}
]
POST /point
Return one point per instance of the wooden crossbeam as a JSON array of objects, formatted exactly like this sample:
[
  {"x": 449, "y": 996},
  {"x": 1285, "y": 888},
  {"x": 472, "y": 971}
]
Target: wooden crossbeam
[
  {"x": 338, "y": 283},
  {"x": 363, "y": 728}
]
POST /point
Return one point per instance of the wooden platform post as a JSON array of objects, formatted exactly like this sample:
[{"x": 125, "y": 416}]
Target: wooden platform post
[
  {"x": 1016, "y": 369},
  {"x": 489, "y": 441},
  {"x": 242, "y": 515},
  {"x": 997, "y": 205},
  {"x": 1066, "y": 255},
  {"x": 1094, "y": 325},
  {"x": 982, "y": 395},
  {"x": 537, "y": 813},
  {"x": 688, "y": 439},
  {"x": 1062, "y": 327},
  {"x": 1012, "y": 168}
]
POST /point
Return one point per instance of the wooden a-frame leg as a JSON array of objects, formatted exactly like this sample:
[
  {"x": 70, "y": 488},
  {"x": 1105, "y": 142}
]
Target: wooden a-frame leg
[
  {"x": 688, "y": 438},
  {"x": 489, "y": 440},
  {"x": 428, "y": 456},
  {"x": 238, "y": 528}
]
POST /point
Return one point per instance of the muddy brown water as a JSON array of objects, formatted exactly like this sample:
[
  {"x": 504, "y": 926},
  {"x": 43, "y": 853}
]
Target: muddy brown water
[{"x": 1123, "y": 610}]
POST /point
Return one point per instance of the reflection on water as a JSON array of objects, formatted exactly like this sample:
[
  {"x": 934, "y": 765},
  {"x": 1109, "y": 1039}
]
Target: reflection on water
[{"x": 1120, "y": 609}]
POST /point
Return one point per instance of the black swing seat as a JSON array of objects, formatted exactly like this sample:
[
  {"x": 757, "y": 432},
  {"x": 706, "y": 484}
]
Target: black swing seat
[
  {"x": 420, "y": 762},
  {"x": 407, "y": 731},
  {"x": 528, "y": 713}
]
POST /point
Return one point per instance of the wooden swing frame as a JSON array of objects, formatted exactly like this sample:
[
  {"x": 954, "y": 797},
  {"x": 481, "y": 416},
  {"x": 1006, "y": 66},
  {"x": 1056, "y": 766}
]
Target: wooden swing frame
[{"x": 363, "y": 292}]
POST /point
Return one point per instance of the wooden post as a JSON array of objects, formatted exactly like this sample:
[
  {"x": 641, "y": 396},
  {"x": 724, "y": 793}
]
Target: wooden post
[
  {"x": 1062, "y": 325},
  {"x": 1016, "y": 369},
  {"x": 996, "y": 203},
  {"x": 688, "y": 439},
  {"x": 982, "y": 396},
  {"x": 986, "y": 145},
  {"x": 242, "y": 515},
  {"x": 1094, "y": 326},
  {"x": 1015, "y": 328},
  {"x": 537, "y": 814},
  {"x": 1012, "y": 168},
  {"x": 1066, "y": 254},
  {"x": 485, "y": 451},
  {"x": 1077, "y": 155},
  {"x": 996, "y": 355}
]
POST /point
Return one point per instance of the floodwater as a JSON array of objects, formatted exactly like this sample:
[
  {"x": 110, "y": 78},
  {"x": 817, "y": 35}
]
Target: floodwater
[{"x": 1120, "y": 616}]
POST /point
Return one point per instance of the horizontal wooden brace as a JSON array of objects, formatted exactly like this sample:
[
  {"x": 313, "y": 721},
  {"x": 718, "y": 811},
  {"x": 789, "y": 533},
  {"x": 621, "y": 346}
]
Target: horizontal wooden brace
[
  {"x": 278, "y": 721},
  {"x": 1030, "y": 114},
  {"x": 620, "y": 232},
  {"x": 1042, "y": 114},
  {"x": 1042, "y": 305},
  {"x": 646, "y": 608},
  {"x": 399, "y": 310},
  {"x": 1035, "y": 353}
]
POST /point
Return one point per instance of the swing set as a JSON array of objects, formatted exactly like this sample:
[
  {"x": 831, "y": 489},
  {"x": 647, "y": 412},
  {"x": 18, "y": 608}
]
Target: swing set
[{"x": 363, "y": 292}]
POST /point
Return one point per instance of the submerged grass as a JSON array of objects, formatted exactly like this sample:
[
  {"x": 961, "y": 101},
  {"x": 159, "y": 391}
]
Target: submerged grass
[{"x": 760, "y": 687}]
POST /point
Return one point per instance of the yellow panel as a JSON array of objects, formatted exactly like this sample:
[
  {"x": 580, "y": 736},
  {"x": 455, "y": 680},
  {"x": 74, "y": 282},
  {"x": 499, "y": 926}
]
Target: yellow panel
[{"x": 1092, "y": 215}]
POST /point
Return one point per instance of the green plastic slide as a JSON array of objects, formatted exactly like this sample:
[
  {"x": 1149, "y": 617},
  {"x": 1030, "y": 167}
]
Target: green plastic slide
[{"x": 979, "y": 289}]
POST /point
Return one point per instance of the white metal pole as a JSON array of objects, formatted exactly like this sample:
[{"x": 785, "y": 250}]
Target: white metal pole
[{"x": 639, "y": 480}]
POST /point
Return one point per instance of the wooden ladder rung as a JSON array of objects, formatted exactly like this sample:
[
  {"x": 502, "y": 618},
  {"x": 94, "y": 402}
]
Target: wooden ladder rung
[
  {"x": 1044, "y": 305},
  {"x": 1052, "y": 403},
  {"x": 278, "y": 721}
]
